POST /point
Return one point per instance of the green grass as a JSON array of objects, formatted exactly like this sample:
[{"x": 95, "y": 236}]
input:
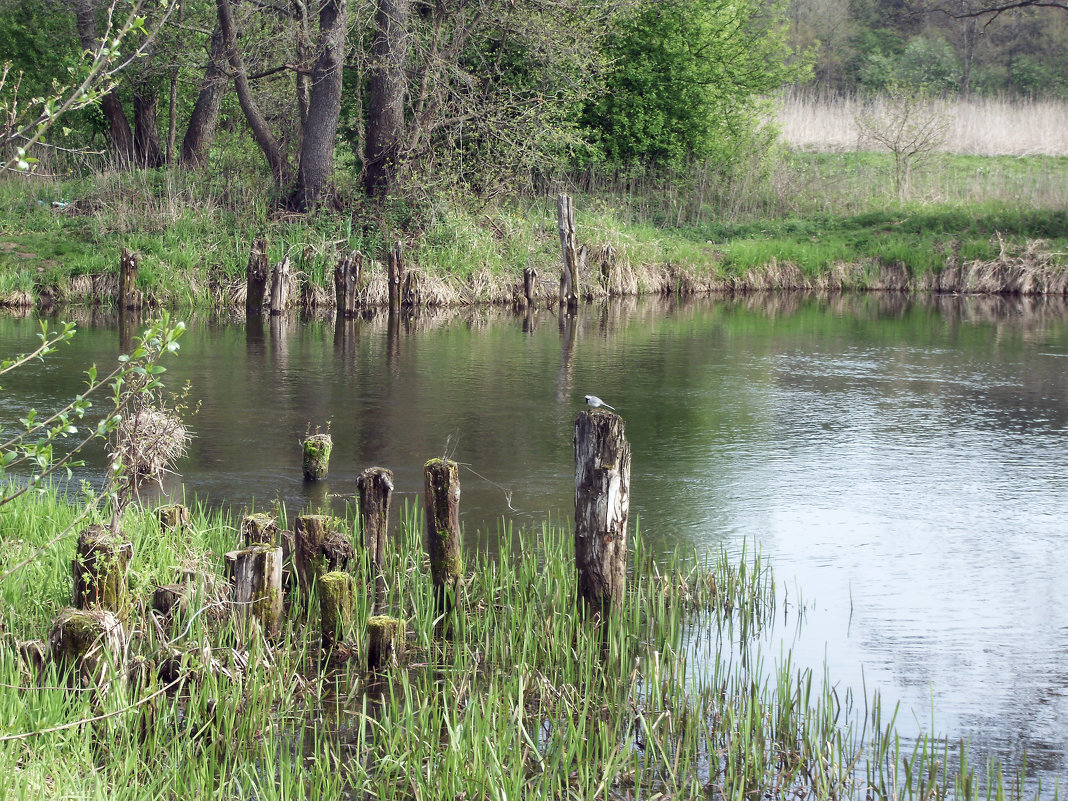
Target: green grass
[
  {"x": 525, "y": 698},
  {"x": 814, "y": 210}
]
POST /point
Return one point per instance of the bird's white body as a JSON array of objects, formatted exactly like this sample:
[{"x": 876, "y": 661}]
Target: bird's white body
[{"x": 595, "y": 403}]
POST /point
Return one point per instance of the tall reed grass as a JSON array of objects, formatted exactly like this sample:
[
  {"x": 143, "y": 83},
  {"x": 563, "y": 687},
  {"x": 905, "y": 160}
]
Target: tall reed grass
[{"x": 523, "y": 698}]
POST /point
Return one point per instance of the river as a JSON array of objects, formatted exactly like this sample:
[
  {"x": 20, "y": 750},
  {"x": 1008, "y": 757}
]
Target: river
[{"x": 902, "y": 462}]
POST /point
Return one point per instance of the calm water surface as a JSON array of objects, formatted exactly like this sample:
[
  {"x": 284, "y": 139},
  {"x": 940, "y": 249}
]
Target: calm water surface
[{"x": 902, "y": 463}]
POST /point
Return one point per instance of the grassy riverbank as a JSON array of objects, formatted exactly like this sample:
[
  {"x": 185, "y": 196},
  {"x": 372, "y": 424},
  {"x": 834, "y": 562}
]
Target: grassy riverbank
[
  {"x": 524, "y": 699},
  {"x": 824, "y": 220}
]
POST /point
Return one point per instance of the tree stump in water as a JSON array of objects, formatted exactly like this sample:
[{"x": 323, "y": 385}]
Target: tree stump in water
[
  {"x": 346, "y": 282},
  {"x": 256, "y": 581},
  {"x": 88, "y": 643},
  {"x": 256, "y": 275},
  {"x": 569, "y": 279},
  {"x": 129, "y": 294},
  {"x": 395, "y": 277},
  {"x": 281, "y": 286},
  {"x": 100, "y": 565},
  {"x": 375, "y": 486},
  {"x": 530, "y": 277},
  {"x": 321, "y": 548},
  {"x": 316, "y": 451},
  {"x": 337, "y": 602},
  {"x": 442, "y": 500},
  {"x": 173, "y": 517},
  {"x": 259, "y": 529},
  {"x": 602, "y": 504},
  {"x": 385, "y": 642}
]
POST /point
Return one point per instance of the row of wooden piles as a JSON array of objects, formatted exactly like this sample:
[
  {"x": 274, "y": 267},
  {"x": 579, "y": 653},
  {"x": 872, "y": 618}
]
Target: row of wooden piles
[{"x": 315, "y": 558}]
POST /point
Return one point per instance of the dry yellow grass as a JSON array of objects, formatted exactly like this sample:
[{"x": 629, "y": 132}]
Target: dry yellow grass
[{"x": 980, "y": 126}]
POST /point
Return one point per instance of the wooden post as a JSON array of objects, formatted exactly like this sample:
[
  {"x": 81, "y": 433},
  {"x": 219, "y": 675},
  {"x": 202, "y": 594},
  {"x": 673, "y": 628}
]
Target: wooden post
[
  {"x": 396, "y": 276},
  {"x": 100, "y": 563},
  {"x": 87, "y": 643},
  {"x": 337, "y": 601},
  {"x": 385, "y": 642},
  {"x": 316, "y": 450},
  {"x": 530, "y": 277},
  {"x": 259, "y": 529},
  {"x": 346, "y": 280},
  {"x": 565, "y": 223},
  {"x": 256, "y": 581},
  {"x": 320, "y": 548},
  {"x": 129, "y": 294},
  {"x": 256, "y": 275},
  {"x": 173, "y": 517},
  {"x": 375, "y": 486},
  {"x": 168, "y": 597},
  {"x": 442, "y": 498},
  {"x": 602, "y": 503},
  {"x": 281, "y": 279}
]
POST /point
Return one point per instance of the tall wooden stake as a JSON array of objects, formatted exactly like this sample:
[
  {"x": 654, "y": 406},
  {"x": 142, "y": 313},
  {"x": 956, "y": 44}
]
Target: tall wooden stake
[
  {"x": 565, "y": 223},
  {"x": 129, "y": 294},
  {"x": 281, "y": 281},
  {"x": 346, "y": 280},
  {"x": 602, "y": 503},
  {"x": 396, "y": 276},
  {"x": 442, "y": 498},
  {"x": 256, "y": 579},
  {"x": 256, "y": 275},
  {"x": 375, "y": 485}
]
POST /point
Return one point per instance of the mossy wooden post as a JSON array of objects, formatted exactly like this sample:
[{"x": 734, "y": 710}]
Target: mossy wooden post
[
  {"x": 281, "y": 280},
  {"x": 320, "y": 548},
  {"x": 173, "y": 518},
  {"x": 565, "y": 223},
  {"x": 316, "y": 450},
  {"x": 129, "y": 294},
  {"x": 346, "y": 280},
  {"x": 100, "y": 563},
  {"x": 602, "y": 503},
  {"x": 337, "y": 602},
  {"x": 396, "y": 276},
  {"x": 442, "y": 497},
  {"x": 87, "y": 642},
  {"x": 256, "y": 582},
  {"x": 259, "y": 529},
  {"x": 375, "y": 486},
  {"x": 385, "y": 642},
  {"x": 256, "y": 275}
]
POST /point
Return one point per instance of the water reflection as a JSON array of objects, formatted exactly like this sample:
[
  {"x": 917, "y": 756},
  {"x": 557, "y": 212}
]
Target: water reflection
[{"x": 900, "y": 459}]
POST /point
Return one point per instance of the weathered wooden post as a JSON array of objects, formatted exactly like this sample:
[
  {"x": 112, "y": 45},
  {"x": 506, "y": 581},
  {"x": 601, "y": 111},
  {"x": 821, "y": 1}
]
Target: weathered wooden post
[
  {"x": 375, "y": 486},
  {"x": 256, "y": 275},
  {"x": 259, "y": 528},
  {"x": 316, "y": 450},
  {"x": 602, "y": 503},
  {"x": 88, "y": 643},
  {"x": 442, "y": 501},
  {"x": 346, "y": 281},
  {"x": 396, "y": 276},
  {"x": 256, "y": 582},
  {"x": 337, "y": 602},
  {"x": 281, "y": 280},
  {"x": 320, "y": 548},
  {"x": 385, "y": 642},
  {"x": 100, "y": 563},
  {"x": 565, "y": 223},
  {"x": 174, "y": 517},
  {"x": 530, "y": 277},
  {"x": 129, "y": 294}
]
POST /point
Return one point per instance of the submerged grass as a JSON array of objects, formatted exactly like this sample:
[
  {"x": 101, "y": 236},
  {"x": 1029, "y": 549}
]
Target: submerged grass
[{"x": 520, "y": 697}]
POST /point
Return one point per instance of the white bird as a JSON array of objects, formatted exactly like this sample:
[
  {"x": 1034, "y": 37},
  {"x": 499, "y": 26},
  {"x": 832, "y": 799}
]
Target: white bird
[{"x": 594, "y": 403}]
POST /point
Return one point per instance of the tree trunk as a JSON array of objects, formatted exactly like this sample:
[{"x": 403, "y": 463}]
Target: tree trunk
[
  {"x": 385, "y": 123},
  {"x": 201, "y": 129},
  {"x": 147, "y": 148},
  {"x": 260, "y": 130},
  {"x": 119, "y": 132},
  {"x": 324, "y": 108},
  {"x": 375, "y": 485}
]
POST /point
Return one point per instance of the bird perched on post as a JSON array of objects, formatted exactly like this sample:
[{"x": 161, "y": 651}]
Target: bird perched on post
[{"x": 595, "y": 403}]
